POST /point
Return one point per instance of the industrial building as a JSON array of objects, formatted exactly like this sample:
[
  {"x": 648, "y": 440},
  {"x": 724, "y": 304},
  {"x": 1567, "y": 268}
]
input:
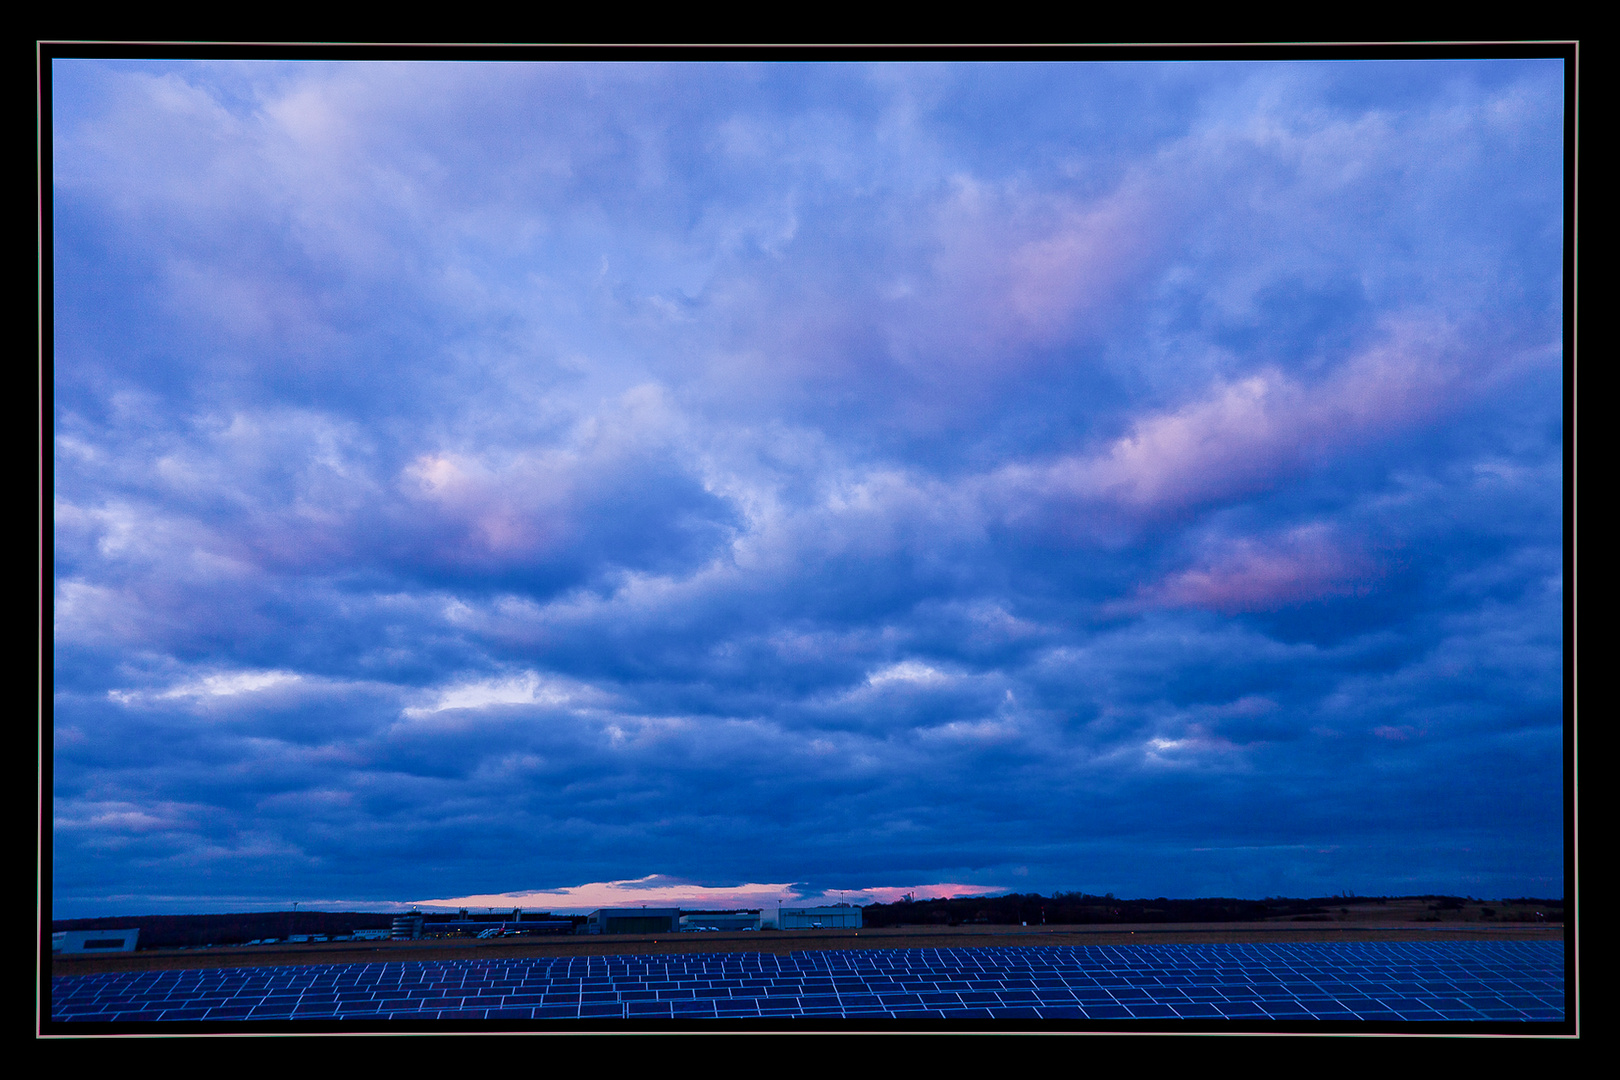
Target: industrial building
[
  {"x": 94, "y": 941},
  {"x": 414, "y": 925},
  {"x": 844, "y": 916},
  {"x": 743, "y": 919},
  {"x": 642, "y": 920}
]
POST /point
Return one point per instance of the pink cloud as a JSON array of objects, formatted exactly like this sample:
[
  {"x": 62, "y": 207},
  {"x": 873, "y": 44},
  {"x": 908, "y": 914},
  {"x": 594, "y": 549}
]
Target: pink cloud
[
  {"x": 1226, "y": 441},
  {"x": 501, "y": 514},
  {"x": 1081, "y": 264},
  {"x": 1011, "y": 269},
  {"x": 1242, "y": 436},
  {"x": 502, "y": 508},
  {"x": 890, "y": 894},
  {"x": 657, "y": 890},
  {"x": 1304, "y": 565}
]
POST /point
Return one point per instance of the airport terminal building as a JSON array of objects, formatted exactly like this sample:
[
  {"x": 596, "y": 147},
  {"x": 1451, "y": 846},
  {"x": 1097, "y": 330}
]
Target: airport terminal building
[{"x": 649, "y": 920}]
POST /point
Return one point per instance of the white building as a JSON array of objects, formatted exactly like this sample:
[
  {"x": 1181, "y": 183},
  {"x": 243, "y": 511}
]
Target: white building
[{"x": 94, "y": 941}]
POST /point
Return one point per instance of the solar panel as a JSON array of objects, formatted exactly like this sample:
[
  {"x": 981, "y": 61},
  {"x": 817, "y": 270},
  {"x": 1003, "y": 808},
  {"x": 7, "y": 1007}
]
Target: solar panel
[{"x": 1336, "y": 982}]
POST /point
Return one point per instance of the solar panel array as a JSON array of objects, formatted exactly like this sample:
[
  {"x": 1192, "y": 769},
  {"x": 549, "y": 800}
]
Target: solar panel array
[{"x": 1342, "y": 981}]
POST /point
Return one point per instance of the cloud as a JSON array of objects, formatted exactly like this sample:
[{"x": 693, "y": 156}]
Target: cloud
[
  {"x": 1304, "y": 565},
  {"x": 841, "y": 474},
  {"x": 1249, "y": 436},
  {"x": 525, "y": 688},
  {"x": 1012, "y": 268},
  {"x": 655, "y": 890},
  {"x": 907, "y": 671},
  {"x": 119, "y": 817},
  {"x": 227, "y": 684},
  {"x": 658, "y": 890}
]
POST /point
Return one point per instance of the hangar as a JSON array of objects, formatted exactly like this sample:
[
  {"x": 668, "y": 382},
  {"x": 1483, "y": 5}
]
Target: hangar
[
  {"x": 747, "y": 919},
  {"x": 642, "y": 920},
  {"x": 817, "y": 918}
]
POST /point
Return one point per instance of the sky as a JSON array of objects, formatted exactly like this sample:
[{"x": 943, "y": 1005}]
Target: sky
[{"x": 570, "y": 483}]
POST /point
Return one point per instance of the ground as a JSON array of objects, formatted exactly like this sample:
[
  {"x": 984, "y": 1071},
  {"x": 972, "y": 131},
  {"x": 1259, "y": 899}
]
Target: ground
[{"x": 1392, "y": 922}]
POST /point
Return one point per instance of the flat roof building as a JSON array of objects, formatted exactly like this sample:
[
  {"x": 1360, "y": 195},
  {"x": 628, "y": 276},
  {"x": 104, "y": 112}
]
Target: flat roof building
[
  {"x": 846, "y": 916},
  {"x": 721, "y": 920},
  {"x": 94, "y": 941},
  {"x": 645, "y": 920}
]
